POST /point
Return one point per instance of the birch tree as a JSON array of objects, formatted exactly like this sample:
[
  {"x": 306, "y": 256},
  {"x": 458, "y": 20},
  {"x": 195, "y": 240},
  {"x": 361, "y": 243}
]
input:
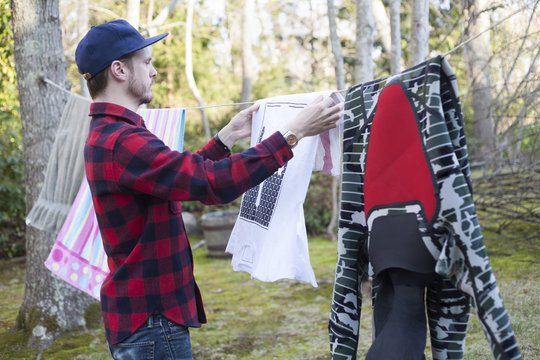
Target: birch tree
[
  {"x": 189, "y": 69},
  {"x": 50, "y": 305},
  {"x": 336, "y": 45},
  {"x": 477, "y": 56},
  {"x": 340, "y": 81},
  {"x": 248, "y": 60},
  {"x": 153, "y": 24},
  {"x": 382, "y": 24},
  {"x": 363, "y": 67},
  {"x": 419, "y": 31},
  {"x": 82, "y": 28},
  {"x": 133, "y": 12},
  {"x": 395, "y": 26}
]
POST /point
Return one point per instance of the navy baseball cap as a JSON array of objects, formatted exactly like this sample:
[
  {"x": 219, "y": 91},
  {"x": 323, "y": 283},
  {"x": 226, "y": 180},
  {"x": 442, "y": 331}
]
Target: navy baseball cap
[{"x": 106, "y": 43}]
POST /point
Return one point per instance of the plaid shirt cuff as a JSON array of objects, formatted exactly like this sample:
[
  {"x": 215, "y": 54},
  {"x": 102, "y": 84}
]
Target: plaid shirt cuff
[
  {"x": 213, "y": 151},
  {"x": 278, "y": 146}
]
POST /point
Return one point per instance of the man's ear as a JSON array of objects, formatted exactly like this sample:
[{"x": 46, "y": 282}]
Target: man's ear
[{"x": 118, "y": 70}]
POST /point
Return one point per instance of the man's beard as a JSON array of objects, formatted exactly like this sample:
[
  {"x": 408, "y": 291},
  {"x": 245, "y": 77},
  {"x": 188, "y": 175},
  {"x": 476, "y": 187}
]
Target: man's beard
[{"x": 139, "y": 91}]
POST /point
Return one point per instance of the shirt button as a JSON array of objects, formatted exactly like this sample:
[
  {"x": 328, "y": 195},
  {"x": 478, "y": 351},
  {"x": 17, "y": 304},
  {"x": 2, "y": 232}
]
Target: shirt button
[{"x": 168, "y": 336}]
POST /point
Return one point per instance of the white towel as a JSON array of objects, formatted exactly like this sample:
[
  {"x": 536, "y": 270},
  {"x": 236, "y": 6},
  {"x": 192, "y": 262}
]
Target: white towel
[{"x": 65, "y": 168}]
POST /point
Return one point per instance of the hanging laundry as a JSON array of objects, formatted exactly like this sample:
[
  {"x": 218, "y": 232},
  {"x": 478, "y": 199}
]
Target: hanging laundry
[
  {"x": 65, "y": 167},
  {"x": 269, "y": 239},
  {"x": 77, "y": 256},
  {"x": 429, "y": 180}
]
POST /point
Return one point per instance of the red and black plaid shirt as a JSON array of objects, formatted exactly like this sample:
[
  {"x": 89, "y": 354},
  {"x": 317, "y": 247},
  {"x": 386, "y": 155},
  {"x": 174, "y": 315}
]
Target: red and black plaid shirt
[{"x": 137, "y": 183}]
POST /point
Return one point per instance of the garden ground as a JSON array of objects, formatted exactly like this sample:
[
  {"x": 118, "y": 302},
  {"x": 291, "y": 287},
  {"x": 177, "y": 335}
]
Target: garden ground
[{"x": 249, "y": 319}]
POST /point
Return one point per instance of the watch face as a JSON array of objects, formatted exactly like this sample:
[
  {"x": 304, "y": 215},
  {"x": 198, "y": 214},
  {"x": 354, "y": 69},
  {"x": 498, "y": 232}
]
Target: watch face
[{"x": 291, "y": 139}]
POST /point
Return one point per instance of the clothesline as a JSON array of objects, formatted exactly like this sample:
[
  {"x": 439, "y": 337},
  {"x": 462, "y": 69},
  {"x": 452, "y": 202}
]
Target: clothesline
[
  {"x": 463, "y": 43},
  {"x": 219, "y": 105},
  {"x": 50, "y": 82},
  {"x": 241, "y": 103}
]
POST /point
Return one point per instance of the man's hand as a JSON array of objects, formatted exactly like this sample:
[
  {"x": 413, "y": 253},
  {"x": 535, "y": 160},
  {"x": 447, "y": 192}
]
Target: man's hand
[
  {"x": 239, "y": 127},
  {"x": 316, "y": 118}
]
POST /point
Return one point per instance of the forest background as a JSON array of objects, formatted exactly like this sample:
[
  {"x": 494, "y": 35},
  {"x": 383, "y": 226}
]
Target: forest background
[{"x": 231, "y": 51}]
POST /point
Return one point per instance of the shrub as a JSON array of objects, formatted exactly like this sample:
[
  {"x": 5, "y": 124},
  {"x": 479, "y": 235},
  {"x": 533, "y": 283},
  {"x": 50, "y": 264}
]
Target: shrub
[
  {"x": 11, "y": 154},
  {"x": 12, "y": 194},
  {"x": 318, "y": 203}
]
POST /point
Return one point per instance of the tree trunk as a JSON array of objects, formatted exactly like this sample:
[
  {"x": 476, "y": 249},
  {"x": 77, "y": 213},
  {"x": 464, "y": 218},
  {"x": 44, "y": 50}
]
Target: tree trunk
[
  {"x": 248, "y": 60},
  {"x": 50, "y": 305},
  {"x": 133, "y": 11},
  {"x": 189, "y": 69},
  {"x": 340, "y": 81},
  {"x": 419, "y": 31},
  {"x": 336, "y": 45},
  {"x": 154, "y": 24},
  {"x": 313, "y": 25},
  {"x": 477, "y": 54},
  {"x": 363, "y": 69},
  {"x": 149, "y": 15},
  {"x": 395, "y": 26},
  {"x": 382, "y": 25},
  {"x": 83, "y": 26}
]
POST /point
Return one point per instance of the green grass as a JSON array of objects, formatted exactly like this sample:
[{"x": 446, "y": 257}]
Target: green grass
[{"x": 250, "y": 319}]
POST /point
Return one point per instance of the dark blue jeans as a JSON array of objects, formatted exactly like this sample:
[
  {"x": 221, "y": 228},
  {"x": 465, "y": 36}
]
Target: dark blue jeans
[{"x": 157, "y": 339}]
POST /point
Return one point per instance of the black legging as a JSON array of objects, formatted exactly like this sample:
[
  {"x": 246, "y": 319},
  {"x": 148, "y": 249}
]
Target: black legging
[{"x": 399, "y": 316}]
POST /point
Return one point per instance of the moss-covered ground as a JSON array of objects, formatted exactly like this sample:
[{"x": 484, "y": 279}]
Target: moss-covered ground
[{"x": 249, "y": 319}]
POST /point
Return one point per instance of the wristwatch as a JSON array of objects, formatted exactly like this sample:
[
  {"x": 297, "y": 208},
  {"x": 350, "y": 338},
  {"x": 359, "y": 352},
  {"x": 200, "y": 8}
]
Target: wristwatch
[{"x": 291, "y": 138}]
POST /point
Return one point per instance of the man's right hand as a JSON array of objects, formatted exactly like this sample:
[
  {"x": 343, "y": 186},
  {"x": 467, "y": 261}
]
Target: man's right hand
[{"x": 316, "y": 118}]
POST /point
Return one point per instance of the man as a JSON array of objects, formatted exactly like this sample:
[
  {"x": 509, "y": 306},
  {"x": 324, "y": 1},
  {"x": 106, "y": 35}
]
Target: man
[{"x": 150, "y": 297}]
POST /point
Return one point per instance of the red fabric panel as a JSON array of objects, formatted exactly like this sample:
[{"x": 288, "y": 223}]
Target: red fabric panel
[{"x": 396, "y": 167}]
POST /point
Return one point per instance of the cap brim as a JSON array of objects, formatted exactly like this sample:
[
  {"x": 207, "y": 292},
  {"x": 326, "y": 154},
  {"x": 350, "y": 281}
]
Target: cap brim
[
  {"x": 147, "y": 42},
  {"x": 155, "y": 39}
]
